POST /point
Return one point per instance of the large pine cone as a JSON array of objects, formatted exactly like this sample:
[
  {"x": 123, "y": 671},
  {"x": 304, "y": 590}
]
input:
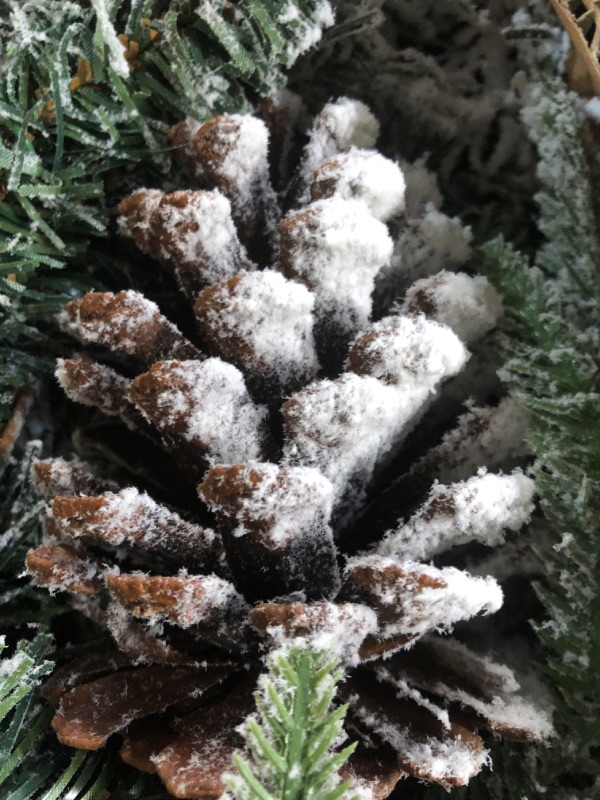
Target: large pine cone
[{"x": 291, "y": 408}]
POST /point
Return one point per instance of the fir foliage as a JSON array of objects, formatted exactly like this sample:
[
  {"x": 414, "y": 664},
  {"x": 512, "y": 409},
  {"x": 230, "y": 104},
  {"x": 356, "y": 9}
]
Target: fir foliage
[
  {"x": 290, "y": 738},
  {"x": 90, "y": 88},
  {"x": 552, "y": 339}
]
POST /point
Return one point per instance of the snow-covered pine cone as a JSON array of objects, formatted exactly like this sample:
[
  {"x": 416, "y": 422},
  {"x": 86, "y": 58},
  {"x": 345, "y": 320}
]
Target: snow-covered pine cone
[{"x": 313, "y": 361}]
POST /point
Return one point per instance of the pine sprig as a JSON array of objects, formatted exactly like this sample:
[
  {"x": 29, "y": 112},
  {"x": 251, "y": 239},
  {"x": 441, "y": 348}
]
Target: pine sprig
[
  {"x": 554, "y": 368},
  {"x": 290, "y": 738}
]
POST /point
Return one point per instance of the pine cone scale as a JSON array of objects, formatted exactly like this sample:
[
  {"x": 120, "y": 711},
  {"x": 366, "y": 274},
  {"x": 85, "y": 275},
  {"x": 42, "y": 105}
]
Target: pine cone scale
[{"x": 91, "y": 712}]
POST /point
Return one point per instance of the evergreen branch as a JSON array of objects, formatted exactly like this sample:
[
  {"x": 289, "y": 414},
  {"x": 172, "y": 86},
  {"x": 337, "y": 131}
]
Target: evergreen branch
[
  {"x": 21, "y": 604},
  {"x": 553, "y": 316},
  {"x": 290, "y": 739}
]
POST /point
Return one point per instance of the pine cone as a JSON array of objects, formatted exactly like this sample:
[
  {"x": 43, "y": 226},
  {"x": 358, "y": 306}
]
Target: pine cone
[{"x": 313, "y": 363}]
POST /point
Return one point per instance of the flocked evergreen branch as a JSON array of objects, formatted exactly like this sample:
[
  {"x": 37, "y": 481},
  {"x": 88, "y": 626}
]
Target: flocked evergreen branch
[
  {"x": 290, "y": 739},
  {"x": 86, "y": 89},
  {"x": 554, "y": 369}
]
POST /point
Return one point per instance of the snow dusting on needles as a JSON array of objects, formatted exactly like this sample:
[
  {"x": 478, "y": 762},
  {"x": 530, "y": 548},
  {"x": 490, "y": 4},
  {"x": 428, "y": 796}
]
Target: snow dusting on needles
[
  {"x": 308, "y": 31},
  {"x": 118, "y": 61}
]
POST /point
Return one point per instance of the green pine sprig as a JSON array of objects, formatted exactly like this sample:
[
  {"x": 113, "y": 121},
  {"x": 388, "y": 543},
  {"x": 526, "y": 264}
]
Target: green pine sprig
[
  {"x": 552, "y": 342},
  {"x": 21, "y": 604},
  {"x": 290, "y": 739}
]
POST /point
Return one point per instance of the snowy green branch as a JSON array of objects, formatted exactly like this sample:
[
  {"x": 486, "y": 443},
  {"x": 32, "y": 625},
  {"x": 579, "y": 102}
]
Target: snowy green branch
[
  {"x": 554, "y": 369},
  {"x": 290, "y": 739}
]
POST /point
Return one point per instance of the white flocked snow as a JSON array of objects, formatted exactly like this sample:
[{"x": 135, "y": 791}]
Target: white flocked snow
[
  {"x": 341, "y": 125},
  {"x": 343, "y": 428},
  {"x": 469, "y": 306},
  {"x": 208, "y": 401},
  {"x": 368, "y": 177},
  {"x": 133, "y": 517},
  {"x": 246, "y": 165},
  {"x": 492, "y": 689},
  {"x": 108, "y": 325},
  {"x": 139, "y": 227},
  {"x": 346, "y": 428},
  {"x": 483, "y": 437},
  {"x": 480, "y": 508},
  {"x": 294, "y": 501},
  {"x": 338, "y": 628},
  {"x": 337, "y": 250},
  {"x": 413, "y": 353},
  {"x": 103, "y": 382},
  {"x": 202, "y": 230},
  {"x": 199, "y": 598},
  {"x": 429, "y": 244},
  {"x": 448, "y": 759},
  {"x": 307, "y": 30},
  {"x": 422, "y": 598},
  {"x": 273, "y": 316}
]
